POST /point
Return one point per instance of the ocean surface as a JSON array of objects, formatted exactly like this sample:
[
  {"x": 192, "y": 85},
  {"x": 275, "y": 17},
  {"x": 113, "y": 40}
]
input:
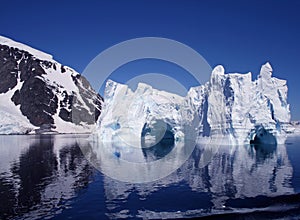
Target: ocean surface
[{"x": 48, "y": 177}]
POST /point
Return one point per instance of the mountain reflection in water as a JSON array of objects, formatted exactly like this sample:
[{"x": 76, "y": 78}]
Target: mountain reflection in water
[
  {"x": 38, "y": 174},
  {"x": 48, "y": 176}
]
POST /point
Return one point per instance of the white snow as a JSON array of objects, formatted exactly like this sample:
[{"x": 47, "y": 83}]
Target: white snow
[
  {"x": 11, "y": 119},
  {"x": 38, "y": 54},
  {"x": 63, "y": 79},
  {"x": 10, "y": 124},
  {"x": 64, "y": 127}
]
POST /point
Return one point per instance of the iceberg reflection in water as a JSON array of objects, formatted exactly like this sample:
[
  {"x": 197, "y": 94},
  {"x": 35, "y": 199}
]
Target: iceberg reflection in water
[
  {"x": 215, "y": 174},
  {"x": 48, "y": 176}
]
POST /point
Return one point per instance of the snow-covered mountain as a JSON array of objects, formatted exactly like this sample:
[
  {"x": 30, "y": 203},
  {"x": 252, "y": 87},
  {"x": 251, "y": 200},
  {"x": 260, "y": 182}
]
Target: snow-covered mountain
[
  {"x": 230, "y": 108},
  {"x": 38, "y": 94}
]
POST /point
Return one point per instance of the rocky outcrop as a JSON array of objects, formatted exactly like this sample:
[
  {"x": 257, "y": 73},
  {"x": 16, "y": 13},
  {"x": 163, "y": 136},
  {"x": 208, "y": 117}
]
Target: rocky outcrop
[{"x": 51, "y": 96}]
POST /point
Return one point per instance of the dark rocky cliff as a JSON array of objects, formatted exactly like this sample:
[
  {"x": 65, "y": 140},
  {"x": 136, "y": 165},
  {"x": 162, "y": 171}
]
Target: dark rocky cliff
[{"x": 41, "y": 98}]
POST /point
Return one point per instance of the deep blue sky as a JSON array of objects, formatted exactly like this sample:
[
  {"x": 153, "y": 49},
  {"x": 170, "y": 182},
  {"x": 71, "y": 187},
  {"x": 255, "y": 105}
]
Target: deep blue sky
[{"x": 241, "y": 35}]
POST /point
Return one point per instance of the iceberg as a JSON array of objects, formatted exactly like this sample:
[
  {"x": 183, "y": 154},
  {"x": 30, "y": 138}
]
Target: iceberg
[
  {"x": 146, "y": 112},
  {"x": 230, "y": 109},
  {"x": 235, "y": 107}
]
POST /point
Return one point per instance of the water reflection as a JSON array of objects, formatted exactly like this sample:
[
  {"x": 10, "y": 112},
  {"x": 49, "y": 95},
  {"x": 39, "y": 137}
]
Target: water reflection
[
  {"x": 125, "y": 162},
  {"x": 39, "y": 174},
  {"x": 262, "y": 152},
  {"x": 233, "y": 173},
  {"x": 160, "y": 149},
  {"x": 41, "y": 163},
  {"x": 40, "y": 177}
]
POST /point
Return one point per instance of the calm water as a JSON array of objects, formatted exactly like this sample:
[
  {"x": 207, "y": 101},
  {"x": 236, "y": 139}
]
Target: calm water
[{"x": 44, "y": 177}]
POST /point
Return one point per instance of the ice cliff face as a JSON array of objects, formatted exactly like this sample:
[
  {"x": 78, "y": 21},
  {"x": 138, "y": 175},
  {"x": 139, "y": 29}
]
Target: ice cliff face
[
  {"x": 146, "y": 112},
  {"x": 230, "y": 107},
  {"x": 38, "y": 94},
  {"x": 236, "y": 106}
]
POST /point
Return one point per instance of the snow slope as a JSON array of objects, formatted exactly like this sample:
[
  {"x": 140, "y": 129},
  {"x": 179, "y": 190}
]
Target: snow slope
[
  {"x": 40, "y": 95},
  {"x": 38, "y": 54}
]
